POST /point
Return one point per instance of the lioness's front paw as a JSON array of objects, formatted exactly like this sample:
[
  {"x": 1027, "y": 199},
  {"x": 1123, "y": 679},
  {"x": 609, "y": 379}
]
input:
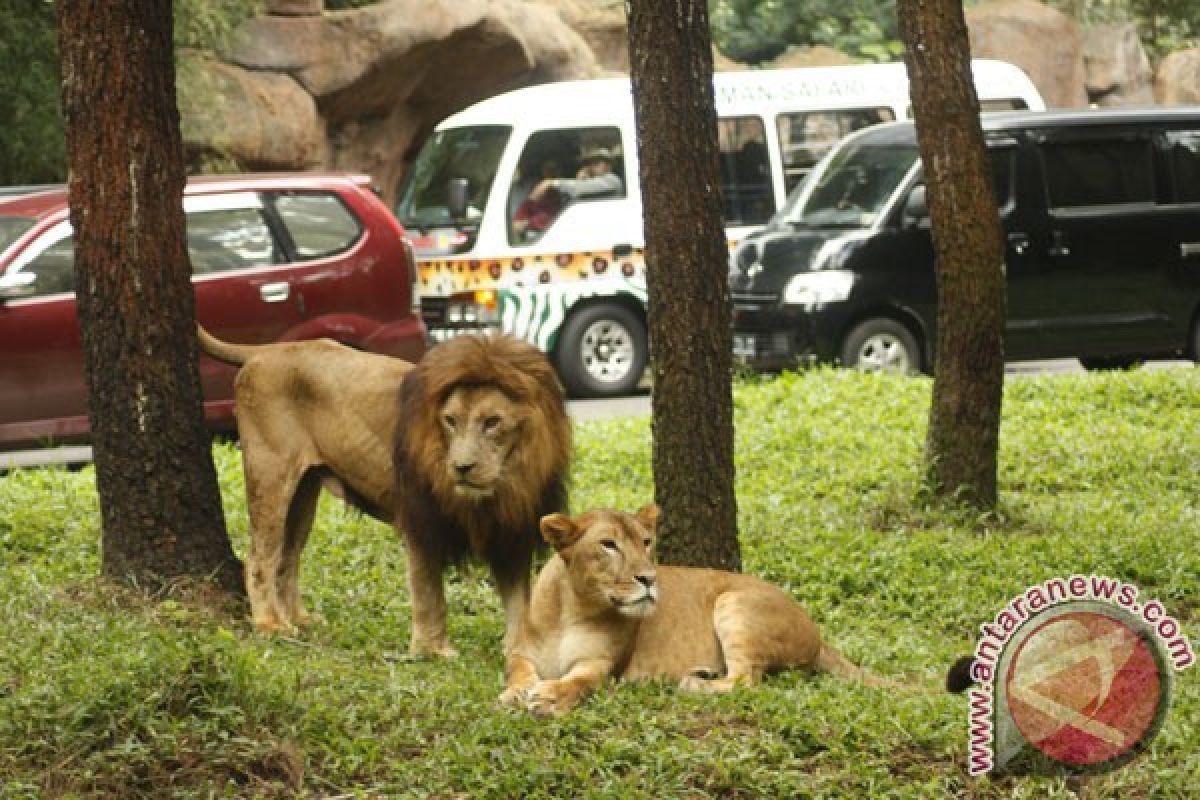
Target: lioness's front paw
[
  {"x": 514, "y": 696},
  {"x": 548, "y": 699}
]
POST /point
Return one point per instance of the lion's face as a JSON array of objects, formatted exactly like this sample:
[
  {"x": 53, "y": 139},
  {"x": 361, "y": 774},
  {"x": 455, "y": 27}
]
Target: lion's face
[
  {"x": 480, "y": 428},
  {"x": 609, "y": 557}
]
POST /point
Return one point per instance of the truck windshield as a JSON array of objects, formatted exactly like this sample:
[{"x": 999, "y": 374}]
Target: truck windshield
[
  {"x": 851, "y": 187},
  {"x": 470, "y": 153}
]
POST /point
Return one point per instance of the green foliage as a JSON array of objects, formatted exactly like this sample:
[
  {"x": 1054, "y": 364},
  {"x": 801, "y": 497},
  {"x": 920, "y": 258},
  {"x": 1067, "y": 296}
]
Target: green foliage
[
  {"x": 134, "y": 698},
  {"x": 209, "y": 24},
  {"x": 32, "y": 149},
  {"x": 756, "y": 31}
]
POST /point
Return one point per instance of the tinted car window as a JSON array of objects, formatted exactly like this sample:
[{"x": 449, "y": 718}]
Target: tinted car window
[
  {"x": 236, "y": 238},
  {"x": 745, "y": 173},
  {"x": 318, "y": 223},
  {"x": 1100, "y": 172},
  {"x": 1183, "y": 149}
]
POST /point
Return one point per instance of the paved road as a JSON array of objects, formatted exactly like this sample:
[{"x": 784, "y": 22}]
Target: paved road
[{"x": 637, "y": 405}]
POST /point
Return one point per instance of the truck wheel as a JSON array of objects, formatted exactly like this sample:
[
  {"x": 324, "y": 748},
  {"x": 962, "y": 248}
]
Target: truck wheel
[
  {"x": 601, "y": 352},
  {"x": 881, "y": 345}
]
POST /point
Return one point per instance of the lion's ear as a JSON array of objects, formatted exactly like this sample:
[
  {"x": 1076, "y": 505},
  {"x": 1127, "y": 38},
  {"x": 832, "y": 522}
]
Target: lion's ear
[
  {"x": 648, "y": 516},
  {"x": 560, "y": 531}
]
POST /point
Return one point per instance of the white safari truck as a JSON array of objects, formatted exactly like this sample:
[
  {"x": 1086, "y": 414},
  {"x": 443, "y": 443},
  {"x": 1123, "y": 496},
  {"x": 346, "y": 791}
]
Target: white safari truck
[{"x": 564, "y": 269}]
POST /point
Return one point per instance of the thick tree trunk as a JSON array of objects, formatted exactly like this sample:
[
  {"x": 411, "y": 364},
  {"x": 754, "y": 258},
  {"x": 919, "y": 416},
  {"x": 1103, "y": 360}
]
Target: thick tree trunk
[
  {"x": 159, "y": 498},
  {"x": 689, "y": 307},
  {"x": 964, "y": 418}
]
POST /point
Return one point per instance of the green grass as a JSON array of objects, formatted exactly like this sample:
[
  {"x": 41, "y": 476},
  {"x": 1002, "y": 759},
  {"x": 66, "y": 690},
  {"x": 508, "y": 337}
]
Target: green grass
[{"x": 104, "y": 693}]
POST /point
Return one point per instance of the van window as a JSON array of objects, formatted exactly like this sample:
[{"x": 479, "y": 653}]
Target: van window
[
  {"x": 1098, "y": 172},
  {"x": 470, "y": 153},
  {"x": 583, "y": 164},
  {"x": 806, "y": 136},
  {"x": 745, "y": 171},
  {"x": 1183, "y": 152}
]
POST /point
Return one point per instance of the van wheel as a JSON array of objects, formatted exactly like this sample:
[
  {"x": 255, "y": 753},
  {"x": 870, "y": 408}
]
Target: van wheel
[
  {"x": 601, "y": 352},
  {"x": 881, "y": 345}
]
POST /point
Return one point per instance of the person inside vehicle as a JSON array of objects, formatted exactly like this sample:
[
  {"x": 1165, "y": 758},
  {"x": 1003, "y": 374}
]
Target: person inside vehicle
[
  {"x": 595, "y": 179},
  {"x": 534, "y": 215}
]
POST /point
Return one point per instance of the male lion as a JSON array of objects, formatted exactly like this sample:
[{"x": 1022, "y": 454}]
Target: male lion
[
  {"x": 602, "y": 607},
  {"x": 482, "y": 451},
  {"x": 465, "y": 452}
]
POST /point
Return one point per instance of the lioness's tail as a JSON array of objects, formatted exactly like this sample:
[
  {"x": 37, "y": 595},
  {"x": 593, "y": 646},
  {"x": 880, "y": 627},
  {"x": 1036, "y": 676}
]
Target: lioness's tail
[
  {"x": 833, "y": 662},
  {"x": 236, "y": 354}
]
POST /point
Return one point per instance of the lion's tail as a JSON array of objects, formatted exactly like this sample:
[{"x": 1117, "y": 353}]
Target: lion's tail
[
  {"x": 236, "y": 354},
  {"x": 831, "y": 661}
]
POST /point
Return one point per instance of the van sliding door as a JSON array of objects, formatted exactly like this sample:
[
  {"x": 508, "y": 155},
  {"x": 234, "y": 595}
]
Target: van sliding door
[{"x": 1104, "y": 252}]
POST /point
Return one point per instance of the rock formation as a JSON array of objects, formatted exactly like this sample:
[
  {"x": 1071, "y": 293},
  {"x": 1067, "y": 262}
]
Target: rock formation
[{"x": 1045, "y": 43}]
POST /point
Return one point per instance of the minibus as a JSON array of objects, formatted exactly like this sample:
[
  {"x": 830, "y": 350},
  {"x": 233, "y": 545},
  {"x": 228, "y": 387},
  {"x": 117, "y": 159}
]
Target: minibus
[{"x": 525, "y": 209}]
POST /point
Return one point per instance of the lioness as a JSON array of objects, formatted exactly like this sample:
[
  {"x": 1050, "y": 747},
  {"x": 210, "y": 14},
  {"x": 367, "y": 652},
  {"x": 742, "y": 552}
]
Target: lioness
[{"x": 602, "y": 607}]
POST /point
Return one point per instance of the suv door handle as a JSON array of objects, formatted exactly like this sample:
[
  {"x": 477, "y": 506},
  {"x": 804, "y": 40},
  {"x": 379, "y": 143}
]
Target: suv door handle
[
  {"x": 275, "y": 292},
  {"x": 1019, "y": 242}
]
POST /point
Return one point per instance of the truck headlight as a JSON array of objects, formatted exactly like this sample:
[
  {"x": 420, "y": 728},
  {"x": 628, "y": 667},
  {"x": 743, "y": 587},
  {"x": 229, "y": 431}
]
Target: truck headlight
[{"x": 814, "y": 289}]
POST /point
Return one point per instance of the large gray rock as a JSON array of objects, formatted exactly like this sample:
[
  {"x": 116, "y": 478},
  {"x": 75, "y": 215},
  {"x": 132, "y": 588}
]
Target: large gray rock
[
  {"x": 1117, "y": 68},
  {"x": 357, "y": 89},
  {"x": 1045, "y": 43},
  {"x": 1177, "y": 81}
]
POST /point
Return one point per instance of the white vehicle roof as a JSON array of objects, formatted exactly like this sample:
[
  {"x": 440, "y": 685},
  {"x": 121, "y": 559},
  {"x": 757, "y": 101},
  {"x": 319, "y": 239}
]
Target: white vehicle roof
[{"x": 571, "y": 103}]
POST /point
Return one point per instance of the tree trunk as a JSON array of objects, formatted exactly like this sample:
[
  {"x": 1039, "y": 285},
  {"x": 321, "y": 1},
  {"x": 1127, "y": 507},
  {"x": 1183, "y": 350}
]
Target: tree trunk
[
  {"x": 964, "y": 418},
  {"x": 160, "y": 504},
  {"x": 690, "y": 316}
]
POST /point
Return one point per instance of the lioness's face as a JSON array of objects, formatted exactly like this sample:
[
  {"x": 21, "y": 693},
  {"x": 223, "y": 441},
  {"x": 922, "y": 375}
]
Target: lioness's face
[
  {"x": 480, "y": 427},
  {"x": 610, "y": 558}
]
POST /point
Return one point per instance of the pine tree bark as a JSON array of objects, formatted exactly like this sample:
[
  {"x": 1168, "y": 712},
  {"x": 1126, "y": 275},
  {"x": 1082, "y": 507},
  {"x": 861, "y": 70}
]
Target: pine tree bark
[
  {"x": 160, "y": 503},
  {"x": 690, "y": 316},
  {"x": 964, "y": 417}
]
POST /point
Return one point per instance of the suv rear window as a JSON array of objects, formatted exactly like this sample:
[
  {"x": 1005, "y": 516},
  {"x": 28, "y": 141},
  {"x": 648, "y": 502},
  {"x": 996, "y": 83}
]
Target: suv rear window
[{"x": 319, "y": 224}]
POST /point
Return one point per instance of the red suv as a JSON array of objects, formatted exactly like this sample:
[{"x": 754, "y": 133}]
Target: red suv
[{"x": 274, "y": 258}]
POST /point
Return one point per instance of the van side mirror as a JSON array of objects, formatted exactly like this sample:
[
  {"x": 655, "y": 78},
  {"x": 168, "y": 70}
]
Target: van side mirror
[
  {"x": 916, "y": 207},
  {"x": 16, "y": 284},
  {"x": 456, "y": 198}
]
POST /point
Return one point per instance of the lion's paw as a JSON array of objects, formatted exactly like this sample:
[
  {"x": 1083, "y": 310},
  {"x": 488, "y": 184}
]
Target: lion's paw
[
  {"x": 514, "y": 697},
  {"x": 424, "y": 652},
  {"x": 547, "y": 699}
]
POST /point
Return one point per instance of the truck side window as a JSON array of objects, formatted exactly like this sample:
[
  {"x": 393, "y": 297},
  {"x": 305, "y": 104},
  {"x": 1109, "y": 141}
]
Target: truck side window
[
  {"x": 559, "y": 168},
  {"x": 1183, "y": 152},
  {"x": 806, "y": 136},
  {"x": 745, "y": 171},
  {"x": 1098, "y": 172}
]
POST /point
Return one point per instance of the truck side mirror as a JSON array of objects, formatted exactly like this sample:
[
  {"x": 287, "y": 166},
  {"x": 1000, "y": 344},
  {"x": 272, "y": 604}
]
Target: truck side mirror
[
  {"x": 456, "y": 198},
  {"x": 916, "y": 207}
]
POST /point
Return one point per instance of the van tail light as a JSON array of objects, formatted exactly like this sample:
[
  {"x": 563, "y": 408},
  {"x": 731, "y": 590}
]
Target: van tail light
[{"x": 410, "y": 258}]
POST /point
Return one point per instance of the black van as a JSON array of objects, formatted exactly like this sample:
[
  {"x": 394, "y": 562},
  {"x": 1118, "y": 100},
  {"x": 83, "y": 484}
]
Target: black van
[{"x": 1101, "y": 211}]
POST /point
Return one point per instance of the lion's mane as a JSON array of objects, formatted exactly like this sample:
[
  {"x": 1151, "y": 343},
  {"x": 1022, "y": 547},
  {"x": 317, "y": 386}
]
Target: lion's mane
[{"x": 503, "y": 529}]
